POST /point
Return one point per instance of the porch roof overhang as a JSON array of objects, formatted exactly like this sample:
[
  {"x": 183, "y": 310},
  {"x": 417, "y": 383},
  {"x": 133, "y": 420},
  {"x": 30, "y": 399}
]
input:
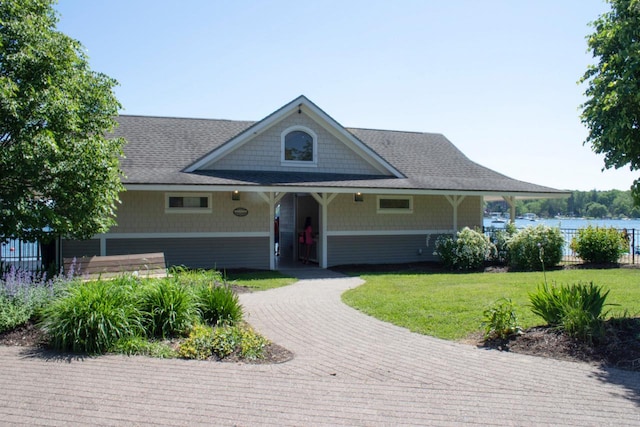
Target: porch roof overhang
[{"x": 280, "y": 182}]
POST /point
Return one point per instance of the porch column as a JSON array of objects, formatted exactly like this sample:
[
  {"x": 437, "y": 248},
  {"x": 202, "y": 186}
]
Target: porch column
[
  {"x": 272, "y": 199},
  {"x": 511, "y": 201},
  {"x": 103, "y": 245},
  {"x": 455, "y": 202},
  {"x": 323, "y": 200}
]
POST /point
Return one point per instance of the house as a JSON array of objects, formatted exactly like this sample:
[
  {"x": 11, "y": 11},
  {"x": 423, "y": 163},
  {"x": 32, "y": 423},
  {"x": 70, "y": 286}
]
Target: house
[{"x": 206, "y": 192}]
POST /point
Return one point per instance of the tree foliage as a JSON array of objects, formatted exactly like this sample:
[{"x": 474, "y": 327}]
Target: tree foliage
[
  {"x": 612, "y": 109},
  {"x": 595, "y": 204},
  {"x": 58, "y": 170}
]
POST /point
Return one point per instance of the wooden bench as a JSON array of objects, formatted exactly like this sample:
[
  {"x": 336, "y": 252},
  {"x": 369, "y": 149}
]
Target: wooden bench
[{"x": 108, "y": 267}]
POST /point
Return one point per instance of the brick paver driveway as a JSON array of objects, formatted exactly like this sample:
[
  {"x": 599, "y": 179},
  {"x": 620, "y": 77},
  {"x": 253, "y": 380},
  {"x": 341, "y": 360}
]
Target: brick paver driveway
[{"x": 348, "y": 369}]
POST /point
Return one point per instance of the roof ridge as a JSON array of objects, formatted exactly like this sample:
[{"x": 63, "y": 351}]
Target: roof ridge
[
  {"x": 143, "y": 116},
  {"x": 396, "y": 131},
  {"x": 185, "y": 118}
]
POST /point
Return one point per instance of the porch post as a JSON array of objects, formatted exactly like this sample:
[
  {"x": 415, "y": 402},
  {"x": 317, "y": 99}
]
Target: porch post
[
  {"x": 323, "y": 200},
  {"x": 511, "y": 201},
  {"x": 272, "y": 199},
  {"x": 455, "y": 202}
]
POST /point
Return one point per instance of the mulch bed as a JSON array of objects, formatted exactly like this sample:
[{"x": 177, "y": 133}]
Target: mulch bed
[
  {"x": 29, "y": 335},
  {"x": 620, "y": 347}
]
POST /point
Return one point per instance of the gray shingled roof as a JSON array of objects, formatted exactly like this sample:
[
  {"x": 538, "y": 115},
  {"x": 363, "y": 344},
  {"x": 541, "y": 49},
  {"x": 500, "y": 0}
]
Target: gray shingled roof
[{"x": 160, "y": 148}]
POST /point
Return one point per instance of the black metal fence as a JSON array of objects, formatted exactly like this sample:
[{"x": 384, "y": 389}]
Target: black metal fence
[
  {"x": 20, "y": 255},
  {"x": 632, "y": 256},
  {"x": 28, "y": 256}
]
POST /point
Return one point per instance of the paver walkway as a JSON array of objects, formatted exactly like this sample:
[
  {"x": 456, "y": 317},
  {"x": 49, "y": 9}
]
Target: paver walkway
[{"x": 349, "y": 369}]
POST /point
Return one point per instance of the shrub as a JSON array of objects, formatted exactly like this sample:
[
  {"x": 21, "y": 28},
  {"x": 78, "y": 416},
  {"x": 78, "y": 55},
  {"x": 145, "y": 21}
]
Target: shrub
[
  {"x": 206, "y": 341},
  {"x": 218, "y": 304},
  {"x": 576, "y": 308},
  {"x": 535, "y": 248},
  {"x": 168, "y": 308},
  {"x": 198, "y": 344},
  {"x": 252, "y": 344},
  {"x": 225, "y": 340},
  {"x": 90, "y": 317},
  {"x": 22, "y": 294},
  {"x": 599, "y": 245},
  {"x": 446, "y": 249},
  {"x": 13, "y": 313},
  {"x": 468, "y": 251},
  {"x": 501, "y": 320},
  {"x": 500, "y": 238}
]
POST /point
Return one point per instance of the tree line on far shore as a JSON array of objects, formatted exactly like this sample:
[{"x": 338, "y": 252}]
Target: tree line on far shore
[{"x": 588, "y": 204}]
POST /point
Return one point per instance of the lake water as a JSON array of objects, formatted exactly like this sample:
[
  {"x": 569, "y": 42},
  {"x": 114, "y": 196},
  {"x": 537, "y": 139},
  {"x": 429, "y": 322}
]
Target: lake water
[
  {"x": 573, "y": 223},
  {"x": 15, "y": 249}
]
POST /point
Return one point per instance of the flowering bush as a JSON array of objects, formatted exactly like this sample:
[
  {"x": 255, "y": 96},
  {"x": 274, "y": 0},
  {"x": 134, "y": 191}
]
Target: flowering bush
[
  {"x": 535, "y": 248},
  {"x": 468, "y": 251},
  {"x": 599, "y": 245},
  {"x": 22, "y": 294},
  {"x": 500, "y": 238}
]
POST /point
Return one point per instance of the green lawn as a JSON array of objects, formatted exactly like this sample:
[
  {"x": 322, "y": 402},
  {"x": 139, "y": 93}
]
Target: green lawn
[
  {"x": 260, "y": 280},
  {"x": 450, "y": 306}
]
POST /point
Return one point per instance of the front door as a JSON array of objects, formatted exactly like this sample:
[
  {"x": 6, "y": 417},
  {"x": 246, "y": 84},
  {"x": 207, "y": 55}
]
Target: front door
[{"x": 307, "y": 214}]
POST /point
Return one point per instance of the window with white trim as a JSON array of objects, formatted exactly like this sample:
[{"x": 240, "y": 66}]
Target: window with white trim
[
  {"x": 299, "y": 146},
  {"x": 187, "y": 203},
  {"x": 395, "y": 204}
]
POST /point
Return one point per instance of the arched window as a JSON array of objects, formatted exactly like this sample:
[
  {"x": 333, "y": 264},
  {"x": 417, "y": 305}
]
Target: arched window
[{"x": 299, "y": 146}]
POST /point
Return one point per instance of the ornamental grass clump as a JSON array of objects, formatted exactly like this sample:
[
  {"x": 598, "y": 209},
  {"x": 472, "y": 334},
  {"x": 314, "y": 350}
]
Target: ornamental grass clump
[
  {"x": 599, "y": 245},
  {"x": 90, "y": 317},
  {"x": 168, "y": 308},
  {"x": 577, "y": 309},
  {"x": 218, "y": 303},
  {"x": 468, "y": 251},
  {"x": 131, "y": 315}
]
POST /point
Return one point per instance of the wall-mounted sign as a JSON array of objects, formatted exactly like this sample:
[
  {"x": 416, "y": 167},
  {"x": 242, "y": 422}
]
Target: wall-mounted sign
[{"x": 241, "y": 212}]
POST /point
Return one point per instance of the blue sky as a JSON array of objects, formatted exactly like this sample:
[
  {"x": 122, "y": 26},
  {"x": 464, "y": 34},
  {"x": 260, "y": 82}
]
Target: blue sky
[{"x": 497, "y": 77}]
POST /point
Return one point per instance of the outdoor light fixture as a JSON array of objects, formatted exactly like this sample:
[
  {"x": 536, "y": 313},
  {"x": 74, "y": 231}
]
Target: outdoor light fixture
[
  {"x": 235, "y": 195},
  {"x": 358, "y": 197}
]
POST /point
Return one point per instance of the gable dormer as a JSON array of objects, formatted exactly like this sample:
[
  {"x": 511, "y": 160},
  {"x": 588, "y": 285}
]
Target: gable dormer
[{"x": 298, "y": 137}]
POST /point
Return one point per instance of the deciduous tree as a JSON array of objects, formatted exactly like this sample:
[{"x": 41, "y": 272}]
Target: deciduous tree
[
  {"x": 612, "y": 109},
  {"x": 59, "y": 172}
]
